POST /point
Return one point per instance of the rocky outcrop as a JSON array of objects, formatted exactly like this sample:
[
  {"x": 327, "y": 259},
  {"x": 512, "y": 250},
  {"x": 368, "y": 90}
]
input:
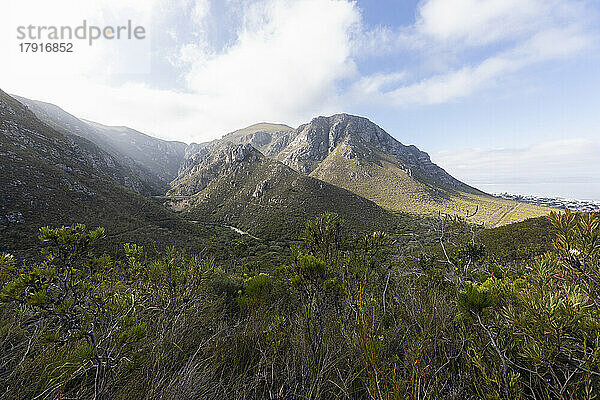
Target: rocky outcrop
[
  {"x": 260, "y": 189},
  {"x": 210, "y": 162},
  {"x": 359, "y": 138}
]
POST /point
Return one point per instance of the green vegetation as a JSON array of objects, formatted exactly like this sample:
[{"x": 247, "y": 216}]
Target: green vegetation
[
  {"x": 347, "y": 315},
  {"x": 518, "y": 241},
  {"x": 271, "y": 201},
  {"x": 381, "y": 178},
  {"x": 51, "y": 179}
]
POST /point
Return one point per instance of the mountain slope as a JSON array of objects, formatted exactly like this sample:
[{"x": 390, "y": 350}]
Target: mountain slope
[
  {"x": 358, "y": 137},
  {"x": 381, "y": 178},
  {"x": 48, "y": 178},
  {"x": 237, "y": 185},
  {"x": 148, "y": 162},
  {"x": 353, "y": 153}
]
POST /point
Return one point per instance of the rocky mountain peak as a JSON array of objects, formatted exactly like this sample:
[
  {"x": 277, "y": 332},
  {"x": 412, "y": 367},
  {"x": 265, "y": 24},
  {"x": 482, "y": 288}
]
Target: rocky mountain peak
[
  {"x": 349, "y": 128},
  {"x": 307, "y": 147},
  {"x": 319, "y": 138}
]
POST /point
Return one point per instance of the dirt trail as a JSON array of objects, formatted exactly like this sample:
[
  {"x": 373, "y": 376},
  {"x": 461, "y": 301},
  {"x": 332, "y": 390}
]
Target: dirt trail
[
  {"x": 241, "y": 232},
  {"x": 233, "y": 228}
]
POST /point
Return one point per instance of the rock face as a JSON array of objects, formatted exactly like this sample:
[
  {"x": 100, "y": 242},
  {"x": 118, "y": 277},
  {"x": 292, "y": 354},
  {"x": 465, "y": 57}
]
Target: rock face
[
  {"x": 228, "y": 154},
  {"x": 357, "y": 137},
  {"x": 268, "y": 139},
  {"x": 316, "y": 140},
  {"x": 260, "y": 189}
]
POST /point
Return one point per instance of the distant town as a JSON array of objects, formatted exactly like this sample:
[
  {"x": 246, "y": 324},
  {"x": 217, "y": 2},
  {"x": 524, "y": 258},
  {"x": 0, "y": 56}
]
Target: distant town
[{"x": 555, "y": 202}]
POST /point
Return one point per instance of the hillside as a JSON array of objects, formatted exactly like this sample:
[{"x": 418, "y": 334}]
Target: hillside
[
  {"x": 48, "y": 178},
  {"x": 355, "y": 154},
  {"x": 346, "y": 151},
  {"x": 238, "y": 186},
  {"x": 535, "y": 237},
  {"x": 148, "y": 163}
]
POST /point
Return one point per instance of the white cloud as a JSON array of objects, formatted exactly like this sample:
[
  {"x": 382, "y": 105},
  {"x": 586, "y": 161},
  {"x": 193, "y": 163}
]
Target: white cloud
[
  {"x": 543, "y": 46},
  {"x": 200, "y": 11},
  {"x": 481, "y": 21},
  {"x": 283, "y": 65},
  {"x": 453, "y": 26},
  {"x": 283, "y": 60},
  {"x": 378, "y": 82},
  {"x": 448, "y": 32}
]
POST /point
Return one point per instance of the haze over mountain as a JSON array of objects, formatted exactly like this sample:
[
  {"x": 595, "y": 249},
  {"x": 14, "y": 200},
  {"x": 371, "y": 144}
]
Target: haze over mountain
[
  {"x": 48, "y": 177},
  {"x": 151, "y": 163}
]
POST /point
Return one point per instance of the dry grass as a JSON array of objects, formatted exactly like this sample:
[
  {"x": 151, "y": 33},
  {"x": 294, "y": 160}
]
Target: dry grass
[{"x": 380, "y": 179}]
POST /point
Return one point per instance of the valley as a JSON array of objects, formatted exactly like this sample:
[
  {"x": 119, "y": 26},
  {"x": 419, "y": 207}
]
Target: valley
[
  {"x": 221, "y": 260},
  {"x": 266, "y": 179}
]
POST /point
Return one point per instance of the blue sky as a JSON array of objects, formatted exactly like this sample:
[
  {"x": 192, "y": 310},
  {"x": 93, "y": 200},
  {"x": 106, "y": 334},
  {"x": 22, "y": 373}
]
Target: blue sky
[{"x": 504, "y": 94}]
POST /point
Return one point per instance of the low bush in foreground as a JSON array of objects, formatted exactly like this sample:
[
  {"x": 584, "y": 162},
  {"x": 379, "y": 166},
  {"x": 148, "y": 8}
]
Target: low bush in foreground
[{"x": 347, "y": 317}]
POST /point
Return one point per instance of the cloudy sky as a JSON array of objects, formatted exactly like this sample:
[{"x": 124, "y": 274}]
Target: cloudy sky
[{"x": 504, "y": 94}]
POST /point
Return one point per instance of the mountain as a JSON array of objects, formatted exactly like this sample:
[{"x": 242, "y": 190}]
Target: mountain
[
  {"x": 235, "y": 184},
  {"x": 51, "y": 178},
  {"x": 352, "y": 137},
  {"x": 148, "y": 164},
  {"x": 341, "y": 160},
  {"x": 355, "y": 154}
]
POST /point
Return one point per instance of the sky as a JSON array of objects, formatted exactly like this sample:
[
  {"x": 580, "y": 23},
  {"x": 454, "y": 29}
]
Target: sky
[{"x": 503, "y": 94}]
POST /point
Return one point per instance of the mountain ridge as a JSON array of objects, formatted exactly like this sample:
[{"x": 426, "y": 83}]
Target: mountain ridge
[
  {"x": 312, "y": 142},
  {"x": 48, "y": 178},
  {"x": 151, "y": 161},
  {"x": 236, "y": 184},
  {"x": 353, "y": 153},
  {"x": 344, "y": 150}
]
